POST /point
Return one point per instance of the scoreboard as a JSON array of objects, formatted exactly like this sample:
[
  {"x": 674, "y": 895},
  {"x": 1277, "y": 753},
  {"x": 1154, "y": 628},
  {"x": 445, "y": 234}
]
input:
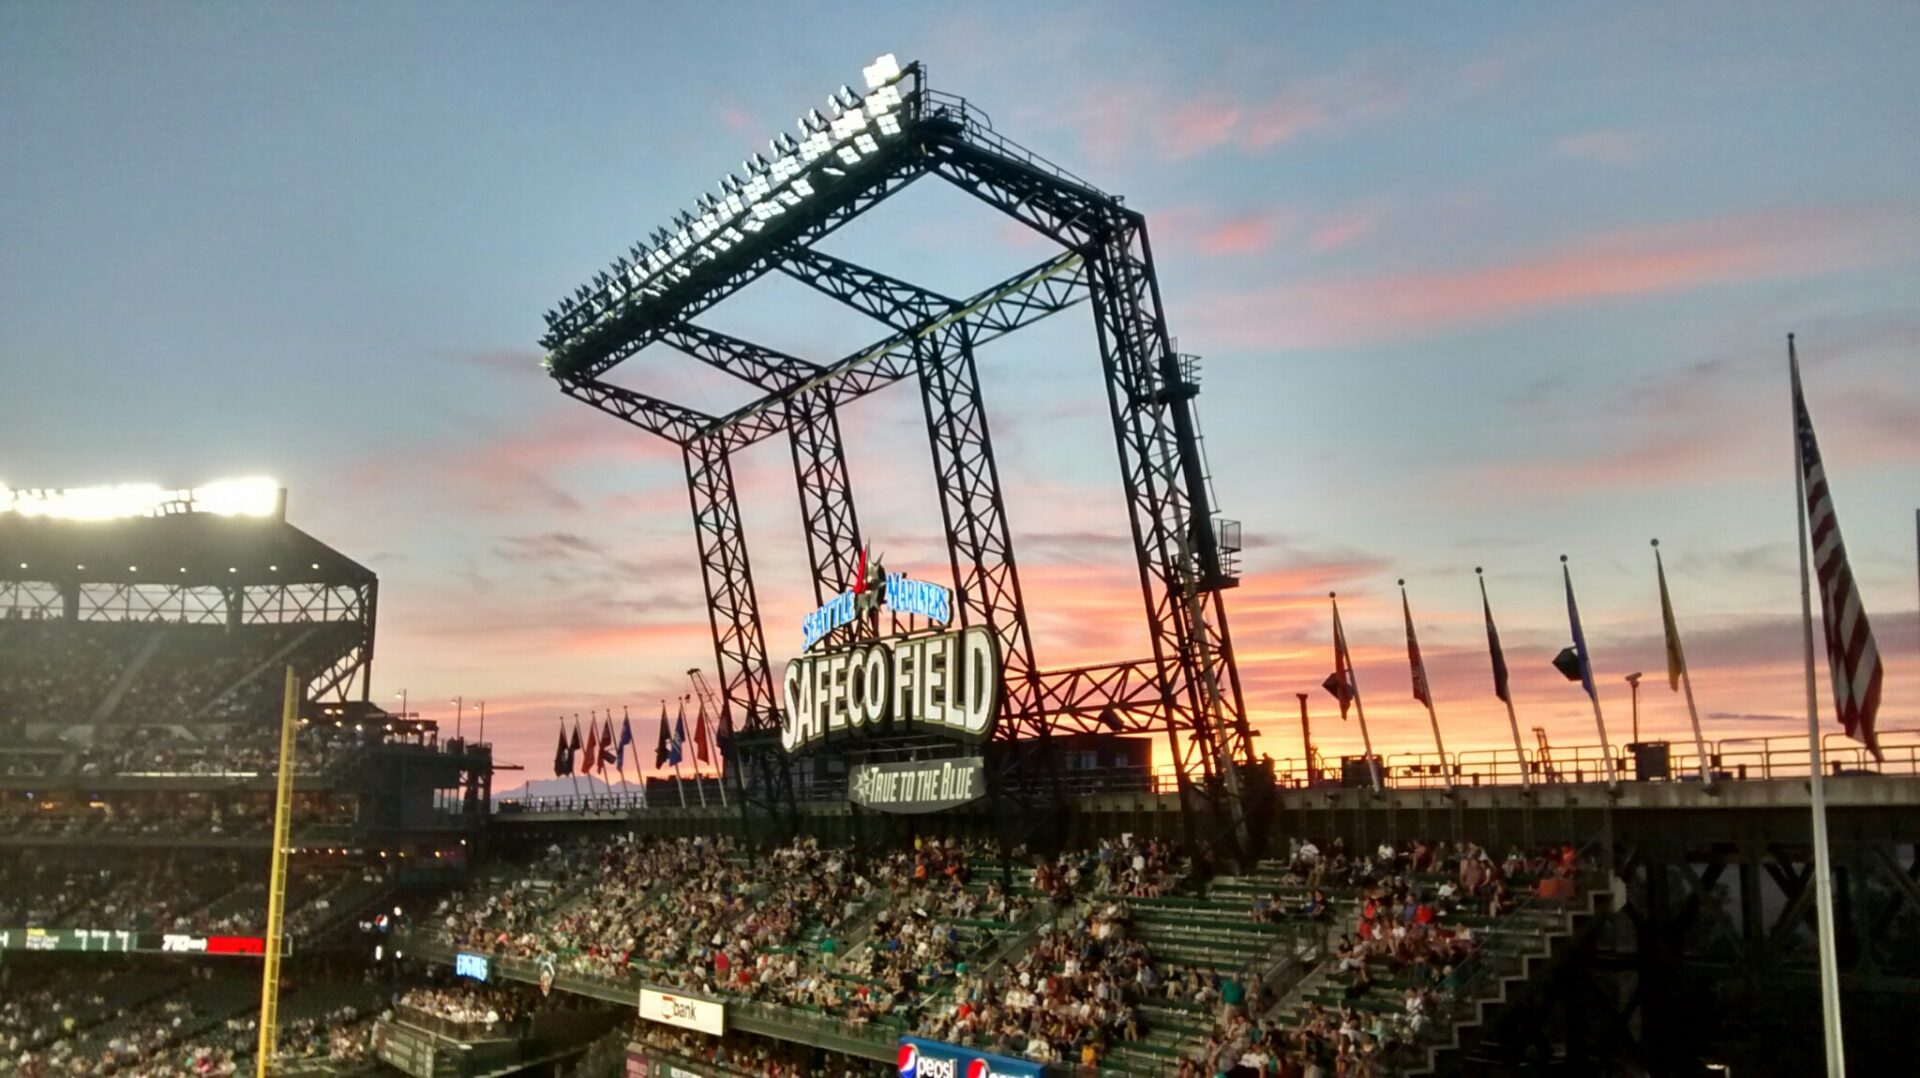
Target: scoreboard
[{"x": 119, "y": 941}]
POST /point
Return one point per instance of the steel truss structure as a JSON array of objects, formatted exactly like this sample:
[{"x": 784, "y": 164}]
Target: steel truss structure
[
  {"x": 330, "y": 604},
  {"x": 1188, "y": 687}
]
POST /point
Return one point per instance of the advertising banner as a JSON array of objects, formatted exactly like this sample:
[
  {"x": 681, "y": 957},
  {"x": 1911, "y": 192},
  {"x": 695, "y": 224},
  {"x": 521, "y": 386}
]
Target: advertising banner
[
  {"x": 919, "y": 785},
  {"x": 686, "y": 1012},
  {"x": 123, "y": 941},
  {"x": 642, "y": 1065},
  {"x": 931, "y": 1059},
  {"x": 470, "y": 965}
]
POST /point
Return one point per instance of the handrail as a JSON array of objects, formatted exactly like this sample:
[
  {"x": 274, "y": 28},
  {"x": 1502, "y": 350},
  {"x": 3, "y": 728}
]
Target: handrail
[
  {"x": 1465, "y": 999},
  {"x": 1733, "y": 759}
]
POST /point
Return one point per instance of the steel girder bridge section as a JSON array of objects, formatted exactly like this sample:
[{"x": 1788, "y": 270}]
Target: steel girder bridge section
[{"x": 770, "y": 219}]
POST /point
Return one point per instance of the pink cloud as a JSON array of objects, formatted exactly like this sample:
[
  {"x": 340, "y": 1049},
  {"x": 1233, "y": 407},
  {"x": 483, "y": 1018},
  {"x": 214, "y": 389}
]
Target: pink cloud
[
  {"x": 1639, "y": 261},
  {"x": 1280, "y": 121},
  {"x": 1209, "y": 232},
  {"x": 1605, "y": 147},
  {"x": 1245, "y": 234},
  {"x": 1344, "y": 228},
  {"x": 1197, "y": 126},
  {"x": 1114, "y": 121}
]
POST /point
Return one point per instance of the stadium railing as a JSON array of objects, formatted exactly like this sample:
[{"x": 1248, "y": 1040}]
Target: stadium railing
[{"x": 782, "y": 1023}]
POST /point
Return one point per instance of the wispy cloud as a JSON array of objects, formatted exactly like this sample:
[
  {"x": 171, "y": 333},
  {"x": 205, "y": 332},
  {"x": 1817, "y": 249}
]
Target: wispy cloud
[
  {"x": 1610, "y": 146},
  {"x": 1345, "y": 228},
  {"x": 1216, "y": 233},
  {"x": 1176, "y": 123},
  {"x": 1647, "y": 260}
]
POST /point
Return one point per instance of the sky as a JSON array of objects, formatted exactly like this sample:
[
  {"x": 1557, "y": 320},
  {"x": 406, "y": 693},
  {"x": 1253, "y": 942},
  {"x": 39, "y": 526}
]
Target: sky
[{"x": 1479, "y": 290}]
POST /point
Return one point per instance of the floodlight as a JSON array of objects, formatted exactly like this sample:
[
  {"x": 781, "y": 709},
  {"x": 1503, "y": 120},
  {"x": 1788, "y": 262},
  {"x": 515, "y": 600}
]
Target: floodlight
[
  {"x": 881, "y": 71},
  {"x": 845, "y": 97},
  {"x": 865, "y": 142},
  {"x": 887, "y": 124},
  {"x": 849, "y": 155}
]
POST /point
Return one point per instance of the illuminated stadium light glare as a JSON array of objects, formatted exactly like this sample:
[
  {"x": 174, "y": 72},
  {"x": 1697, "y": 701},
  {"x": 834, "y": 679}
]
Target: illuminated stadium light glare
[
  {"x": 766, "y": 189},
  {"x": 254, "y": 497}
]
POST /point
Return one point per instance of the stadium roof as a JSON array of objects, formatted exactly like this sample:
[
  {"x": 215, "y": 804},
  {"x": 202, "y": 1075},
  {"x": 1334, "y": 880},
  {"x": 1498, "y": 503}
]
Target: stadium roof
[{"x": 194, "y": 549}]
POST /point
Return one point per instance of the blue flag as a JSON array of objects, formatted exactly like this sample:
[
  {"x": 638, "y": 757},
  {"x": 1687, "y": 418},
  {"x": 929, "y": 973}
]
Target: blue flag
[
  {"x": 626, "y": 738},
  {"x": 679, "y": 737},
  {"x": 1579, "y": 638}
]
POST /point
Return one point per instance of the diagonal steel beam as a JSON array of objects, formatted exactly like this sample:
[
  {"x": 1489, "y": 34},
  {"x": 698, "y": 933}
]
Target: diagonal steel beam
[
  {"x": 739, "y": 646},
  {"x": 771, "y": 370},
  {"x": 664, "y": 418},
  {"x": 1021, "y": 300},
  {"x": 827, "y": 514},
  {"x": 898, "y": 303}
]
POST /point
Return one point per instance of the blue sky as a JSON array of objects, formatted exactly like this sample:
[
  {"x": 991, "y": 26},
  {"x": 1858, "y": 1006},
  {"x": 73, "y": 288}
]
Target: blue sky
[{"x": 1473, "y": 290}]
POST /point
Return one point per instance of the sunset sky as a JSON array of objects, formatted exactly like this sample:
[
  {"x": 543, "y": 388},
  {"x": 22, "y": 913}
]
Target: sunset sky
[{"x": 1480, "y": 290}]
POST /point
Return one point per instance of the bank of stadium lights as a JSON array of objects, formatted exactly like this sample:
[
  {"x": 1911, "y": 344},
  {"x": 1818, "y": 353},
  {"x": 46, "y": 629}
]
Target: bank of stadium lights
[
  {"x": 766, "y": 187},
  {"x": 226, "y": 497}
]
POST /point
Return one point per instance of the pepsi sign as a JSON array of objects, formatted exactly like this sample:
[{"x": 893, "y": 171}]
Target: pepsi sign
[{"x": 932, "y": 1059}]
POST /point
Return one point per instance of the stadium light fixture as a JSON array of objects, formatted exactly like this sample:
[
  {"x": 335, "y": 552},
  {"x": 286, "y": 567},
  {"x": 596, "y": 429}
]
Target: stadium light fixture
[
  {"x": 881, "y": 72},
  {"x": 256, "y": 497},
  {"x": 763, "y": 190}
]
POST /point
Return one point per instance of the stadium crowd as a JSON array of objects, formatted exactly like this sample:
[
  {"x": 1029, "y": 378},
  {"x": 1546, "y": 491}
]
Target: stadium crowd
[
  {"x": 900, "y": 937},
  {"x": 1407, "y": 951},
  {"x": 466, "y": 1005}
]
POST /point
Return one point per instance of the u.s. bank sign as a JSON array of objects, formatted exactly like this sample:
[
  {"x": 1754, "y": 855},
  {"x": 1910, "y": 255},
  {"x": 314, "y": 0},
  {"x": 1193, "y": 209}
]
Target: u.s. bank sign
[{"x": 944, "y": 679}]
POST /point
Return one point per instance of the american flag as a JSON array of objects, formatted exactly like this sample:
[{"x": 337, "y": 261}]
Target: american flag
[
  {"x": 1341, "y": 683},
  {"x": 1421, "y": 691},
  {"x": 1851, "y": 656}
]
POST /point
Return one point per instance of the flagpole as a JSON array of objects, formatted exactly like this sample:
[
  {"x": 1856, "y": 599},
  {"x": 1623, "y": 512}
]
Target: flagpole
[
  {"x": 1526, "y": 773},
  {"x": 1686, "y": 677},
  {"x": 591, "y": 752},
  {"x": 699, "y": 784},
  {"x": 1353, "y": 679},
  {"x": 1593, "y": 694},
  {"x": 1822, "y": 862},
  {"x": 678, "y": 783},
  {"x": 573, "y": 773},
  {"x": 1426, "y": 688},
  {"x": 626, "y": 727}
]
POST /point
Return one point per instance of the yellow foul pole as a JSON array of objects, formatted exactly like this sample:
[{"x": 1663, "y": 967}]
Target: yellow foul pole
[{"x": 277, "y": 886}]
